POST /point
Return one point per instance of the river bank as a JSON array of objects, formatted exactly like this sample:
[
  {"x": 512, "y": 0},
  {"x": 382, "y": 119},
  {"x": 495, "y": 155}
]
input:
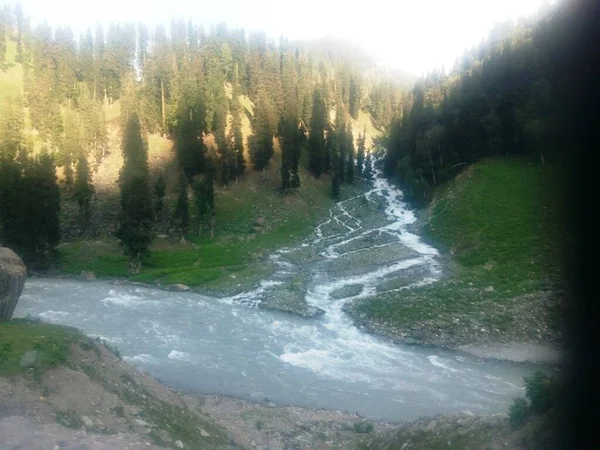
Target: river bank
[{"x": 89, "y": 398}]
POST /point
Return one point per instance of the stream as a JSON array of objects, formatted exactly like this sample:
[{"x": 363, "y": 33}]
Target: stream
[{"x": 228, "y": 346}]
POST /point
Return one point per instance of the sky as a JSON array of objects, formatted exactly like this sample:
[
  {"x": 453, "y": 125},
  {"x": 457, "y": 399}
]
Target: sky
[{"x": 414, "y": 35}]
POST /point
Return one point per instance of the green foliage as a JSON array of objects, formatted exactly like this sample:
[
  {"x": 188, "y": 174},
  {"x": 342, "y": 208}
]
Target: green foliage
[
  {"x": 29, "y": 208},
  {"x": 137, "y": 214},
  {"x": 511, "y": 243},
  {"x": 160, "y": 189},
  {"x": 517, "y": 412},
  {"x": 182, "y": 209},
  {"x": 503, "y": 98},
  {"x": 261, "y": 141},
  {"x": 84, "y": 190},
  {"x": 363, "y": 427},
  {"x": 541, "y": 391},
  {"x": 360, "y": 153},
  {"x": 19, "y": 336},
  {"x": 318, "y": 162},
  {"x": 350, "y": 154}
]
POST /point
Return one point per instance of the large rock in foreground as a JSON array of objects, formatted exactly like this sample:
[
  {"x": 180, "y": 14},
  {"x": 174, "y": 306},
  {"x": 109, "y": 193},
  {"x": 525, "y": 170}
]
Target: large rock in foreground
[{"x": 12, "y": 279}]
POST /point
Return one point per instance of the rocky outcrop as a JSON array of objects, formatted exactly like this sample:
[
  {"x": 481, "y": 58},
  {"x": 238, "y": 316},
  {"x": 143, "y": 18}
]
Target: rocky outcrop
[{"x": 12, "y": 280}]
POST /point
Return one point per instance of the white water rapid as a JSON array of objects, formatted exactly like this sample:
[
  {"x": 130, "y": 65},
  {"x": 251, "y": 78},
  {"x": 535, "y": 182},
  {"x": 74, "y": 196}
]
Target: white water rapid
[{"x": 226, "y": 346}]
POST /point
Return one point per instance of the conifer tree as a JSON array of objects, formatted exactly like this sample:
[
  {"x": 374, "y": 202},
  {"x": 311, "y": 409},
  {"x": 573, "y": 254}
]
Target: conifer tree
[
  {"x": 236, "y": 139},
  {"x": 368, "y": 170},
  {"x": 289, "y": 148},
  {"x": 336, "y": 166},
  {"x": 316, "y": 141},
  {"x": 182, "y": 208},
  {"x": 137, "y": 215},
  {"x": 160, "y": 189},
  {"x": 360, "y": 155},
  {"x": 350, "y": 156},
  {"x": 84, "y": 190},
  {"x": 189, "y": 147},
  {"x": 261, "y": 141},
  {"x": 204, "y": 197}
]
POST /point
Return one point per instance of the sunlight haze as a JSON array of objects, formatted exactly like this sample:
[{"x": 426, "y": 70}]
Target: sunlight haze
[{"x": 413, "y": 35}]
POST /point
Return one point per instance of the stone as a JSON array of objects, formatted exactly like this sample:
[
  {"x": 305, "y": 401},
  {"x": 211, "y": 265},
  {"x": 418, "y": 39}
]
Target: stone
[
  {"x": 489, "y": 289},
  {"x": 260, "y": 222},
  {"x": 12, "y": 280},
  {"x": 204, "y": 433},
  {"x": 142, "y": 423},
  {"x": 431, "y": 426},
  {"x": 30, "y": 359},
  {"x": 88, "y": 276},
  {"x": 178, "y": 444},
  {"x": 87, "y": 422},
  {"x": 418, "y": 334},
  {"x": 179, "y": 287}
]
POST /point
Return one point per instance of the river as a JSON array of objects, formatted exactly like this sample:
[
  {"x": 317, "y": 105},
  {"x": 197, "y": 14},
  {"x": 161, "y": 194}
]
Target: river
[{"x": 227, "y": 346}]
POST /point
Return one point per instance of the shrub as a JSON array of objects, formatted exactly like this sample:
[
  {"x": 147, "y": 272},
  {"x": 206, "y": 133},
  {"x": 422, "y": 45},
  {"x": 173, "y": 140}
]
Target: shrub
[
  {"x": 541, "y": 390},
  {"x": 363, "y": 427},
  {"x": 517, "y": 412}
]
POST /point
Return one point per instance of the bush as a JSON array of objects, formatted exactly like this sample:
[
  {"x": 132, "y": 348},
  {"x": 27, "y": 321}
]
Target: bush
[
  {"x": 541, "y": 390},
  {"x": 363, "y": 427},
  {"x": 517, "y": 412}
]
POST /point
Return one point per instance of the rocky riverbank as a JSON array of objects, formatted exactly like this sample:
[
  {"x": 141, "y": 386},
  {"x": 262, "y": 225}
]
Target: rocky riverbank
[
  {"x": 92, "y": 399},
  {"x": 531, "y": 337}
]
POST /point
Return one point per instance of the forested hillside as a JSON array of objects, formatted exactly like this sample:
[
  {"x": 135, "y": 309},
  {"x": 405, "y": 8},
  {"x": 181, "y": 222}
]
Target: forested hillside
[
  {"x": 504, "y": 97},
  {"x": 208, "y": 109}
]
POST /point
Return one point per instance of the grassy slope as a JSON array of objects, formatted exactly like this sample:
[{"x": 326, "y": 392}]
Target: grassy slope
[
  {"x": 499, "y": 222},
  {"x": 66, "y": 352}
]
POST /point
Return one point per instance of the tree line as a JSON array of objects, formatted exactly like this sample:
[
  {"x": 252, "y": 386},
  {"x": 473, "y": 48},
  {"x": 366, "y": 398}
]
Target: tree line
[
  {"x": 502, "y": 98},
  {"x": 184, "y": 85}
]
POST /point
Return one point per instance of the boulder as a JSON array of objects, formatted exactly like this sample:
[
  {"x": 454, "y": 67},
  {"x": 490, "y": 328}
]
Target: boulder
[
  {"x": 12, "y": 280},
  {"x": 260, "y": 222},
  {"x": 88, "y": 276},
  {"x": 30, "y": 359},
  {"x": 179, "y": 287}
]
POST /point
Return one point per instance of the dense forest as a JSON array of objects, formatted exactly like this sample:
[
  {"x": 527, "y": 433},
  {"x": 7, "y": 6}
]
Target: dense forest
[
  {"x": 185, "y": 84},
  {"x": 504, "y": 97}
]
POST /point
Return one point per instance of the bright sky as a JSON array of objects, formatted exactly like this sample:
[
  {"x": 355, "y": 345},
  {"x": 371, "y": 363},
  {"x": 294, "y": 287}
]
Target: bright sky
[{"x": 415, "y": 35}]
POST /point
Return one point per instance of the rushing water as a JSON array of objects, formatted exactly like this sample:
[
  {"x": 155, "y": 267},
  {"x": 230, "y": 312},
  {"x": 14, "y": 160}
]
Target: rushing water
[{"x": 227, "y": 346}]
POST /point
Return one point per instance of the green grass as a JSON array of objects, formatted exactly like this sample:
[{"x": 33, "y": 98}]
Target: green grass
[
  {"x": 20, "y": 336},
  {"x": 236, "y": 249},
  {"x": 500, "y": 223}
]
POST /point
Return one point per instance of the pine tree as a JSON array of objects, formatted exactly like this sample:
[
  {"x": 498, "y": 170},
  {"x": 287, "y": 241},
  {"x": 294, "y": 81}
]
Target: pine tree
[
  {"x": 182, "y": 208},
  {"x": 342, "y": 141},
  {"x": 350, "y": 156},
  {"x": 137, "y": 216},
  {"x": 360, "y": 156},
  {"x": 316, "y": 141},
  {"x": 289, "y": 148},
  {"x": 236, "y": 139},
  {"x": 160, "y": 189},
  {"x": 84, "y": 190},
  {"x": 368, "y": 170},
  {"x": 227, "y": 162},
  {"x": 189, "y": 147},
  {"x": 204, "y": 197},
  {"x": 336, "y": 166},
  {"x": 261, "y": 141}
]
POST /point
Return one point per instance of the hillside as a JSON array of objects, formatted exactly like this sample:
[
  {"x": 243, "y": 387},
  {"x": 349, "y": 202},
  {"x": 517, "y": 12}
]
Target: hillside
[
  {"x": 498, "y": 225},
  {"x": 252, "y": 219}
]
